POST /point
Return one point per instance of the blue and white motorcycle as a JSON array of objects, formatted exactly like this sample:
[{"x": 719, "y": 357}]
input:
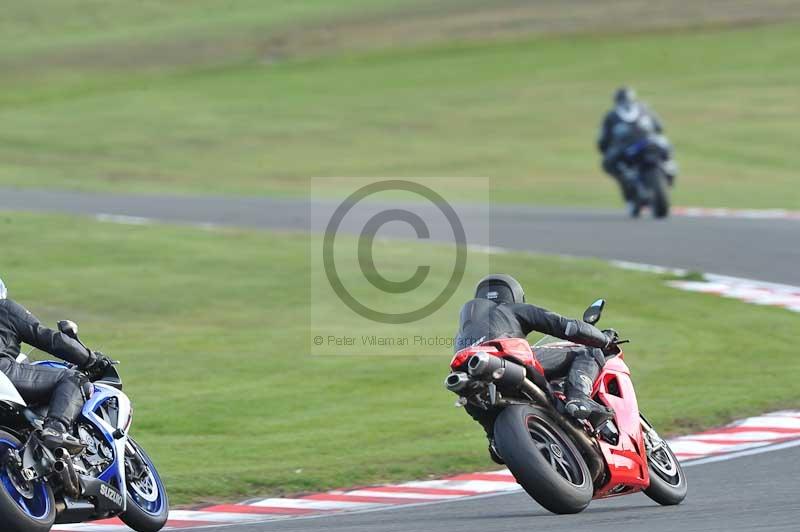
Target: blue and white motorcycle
[
  {"x": 650, "y": 171},
  {"x": 112, "y": 477}
]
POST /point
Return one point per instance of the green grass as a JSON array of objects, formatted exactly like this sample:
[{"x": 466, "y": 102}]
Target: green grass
[
  {"x": 177, "y": 99},
  {"x": 212, "y": 327}
]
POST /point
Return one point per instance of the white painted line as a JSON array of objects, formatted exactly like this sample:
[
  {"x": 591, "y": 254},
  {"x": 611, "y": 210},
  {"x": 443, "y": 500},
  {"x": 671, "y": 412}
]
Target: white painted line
[
  {"x": 734, "y": 437},
  {"x": 308, "y": 504},
  {"x": 771, "y": 422},
  {"x": 785, "y": 413},
  {"x": 220, "y": 517},
  {"x": 121, "y": 219},
  {"x": 141, "y": 220},
  {"x": 393, "y": 495},
  {"x": 746, "y": 214},
  {"x": 696, "y": 448},
  {"x": 89, "y": 528},
  {"x": 648, "y": 268},
  {"x": 740, "y": 454},
  {"x": 478, "y": 486}
]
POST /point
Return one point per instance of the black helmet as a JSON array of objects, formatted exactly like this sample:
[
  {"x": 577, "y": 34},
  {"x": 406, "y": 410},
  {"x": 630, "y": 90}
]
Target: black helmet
[
  {"x": 500, "y": 288},
  {"x": 624, "y": 96}
]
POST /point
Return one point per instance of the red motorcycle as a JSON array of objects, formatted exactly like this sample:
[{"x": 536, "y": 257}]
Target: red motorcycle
[{"x": 561, "y": 462}]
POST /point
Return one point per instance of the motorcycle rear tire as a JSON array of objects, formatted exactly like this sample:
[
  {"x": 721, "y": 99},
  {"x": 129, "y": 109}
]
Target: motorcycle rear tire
[
  {"x": 515, "y": 433},
  {"x": 12, "y": 517}
]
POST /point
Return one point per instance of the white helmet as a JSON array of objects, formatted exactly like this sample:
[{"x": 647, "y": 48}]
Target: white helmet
[
  {"x": 626, "y": 104},
  {"x": 3, "y": 291}
]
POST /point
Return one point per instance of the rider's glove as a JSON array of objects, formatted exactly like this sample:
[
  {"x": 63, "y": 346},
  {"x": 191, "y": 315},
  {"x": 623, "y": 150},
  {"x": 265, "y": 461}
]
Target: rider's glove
[
  {"x": 97, "y": 365},
  {"x": 612, "y": 338}
]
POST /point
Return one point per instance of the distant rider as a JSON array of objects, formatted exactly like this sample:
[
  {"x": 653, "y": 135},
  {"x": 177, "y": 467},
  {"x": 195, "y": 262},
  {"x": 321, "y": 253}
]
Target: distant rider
[
  {"x": 628, "y": 122},
  {"x": 499, "y": 311},
  {"x": 64, "y": 389}
]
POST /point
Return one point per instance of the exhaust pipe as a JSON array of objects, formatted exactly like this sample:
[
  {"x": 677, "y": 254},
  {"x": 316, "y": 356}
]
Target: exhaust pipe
[
  {"x": 61, "y": 454},
  {"x": 505, "y": 374},
  {"x": 483, "y": 364},
  {"x": 457, "y": 382},
  {"x": 69, "y": 478}
]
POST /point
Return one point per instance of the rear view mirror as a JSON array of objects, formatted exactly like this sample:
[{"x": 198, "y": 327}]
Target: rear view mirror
[
  {"x": 70, "y": 328},
  {"x": 593, "y": 313}
]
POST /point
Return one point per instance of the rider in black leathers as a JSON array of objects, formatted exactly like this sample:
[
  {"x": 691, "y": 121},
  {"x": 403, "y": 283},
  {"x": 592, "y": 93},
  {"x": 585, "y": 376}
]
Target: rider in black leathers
[
  {"x": 628, "y": 122},
  {"x": 64, "y": 389},
  {"x": 499, "y": 311}
]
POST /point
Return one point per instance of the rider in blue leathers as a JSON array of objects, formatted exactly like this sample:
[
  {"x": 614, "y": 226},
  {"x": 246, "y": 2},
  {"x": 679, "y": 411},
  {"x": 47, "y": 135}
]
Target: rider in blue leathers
[{"x": 628, "y": 122}]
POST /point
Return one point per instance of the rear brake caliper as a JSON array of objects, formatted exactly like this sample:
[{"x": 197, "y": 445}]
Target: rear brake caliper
[
  {"x": 11, "y": 458},
  {"x": 13, "y": 461}
]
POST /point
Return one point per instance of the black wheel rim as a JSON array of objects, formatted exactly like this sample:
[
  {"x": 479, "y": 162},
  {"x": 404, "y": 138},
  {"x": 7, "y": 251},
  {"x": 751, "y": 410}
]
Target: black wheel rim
[{"x": 556, "y": 452}]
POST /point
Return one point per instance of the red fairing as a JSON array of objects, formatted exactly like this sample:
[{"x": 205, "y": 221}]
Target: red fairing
[
  {"x": 627, "y": 461},
  {"x": 517, "y": 349}
]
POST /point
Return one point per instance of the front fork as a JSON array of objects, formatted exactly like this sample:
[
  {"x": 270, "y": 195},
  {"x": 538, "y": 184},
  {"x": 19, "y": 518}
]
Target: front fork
[
  {"x": 652, "y": 441},
  {"x": 135, "y": 469}
]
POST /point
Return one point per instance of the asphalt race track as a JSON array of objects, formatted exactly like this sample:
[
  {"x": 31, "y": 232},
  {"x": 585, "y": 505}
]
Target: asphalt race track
[
  {"x": 744, "y": 494},
  {"x": 766, "y": 250},
  {"x": 757, "y": 492}
]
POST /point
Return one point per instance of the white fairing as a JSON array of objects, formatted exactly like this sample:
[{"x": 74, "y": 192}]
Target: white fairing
[{"x": 8, "y": 392}]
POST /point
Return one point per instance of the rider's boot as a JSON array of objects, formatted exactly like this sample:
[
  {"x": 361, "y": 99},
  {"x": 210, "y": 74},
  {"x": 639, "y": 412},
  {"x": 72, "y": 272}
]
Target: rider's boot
[
  {"x": 578, "y": 391},
  {"x": 55, "y": 435}
]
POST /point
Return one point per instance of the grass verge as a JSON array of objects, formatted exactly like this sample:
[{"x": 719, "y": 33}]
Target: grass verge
[
  {"x": 212, "y": 329},
  {"x": 141, "y": 107}
]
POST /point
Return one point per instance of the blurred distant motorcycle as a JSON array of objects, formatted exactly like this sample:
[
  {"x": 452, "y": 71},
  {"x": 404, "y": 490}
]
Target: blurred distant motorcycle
[
  {"x": 563, "y": 463},
  {"x": 111, "y": 477},
  {"x": 649, "y": 171}
]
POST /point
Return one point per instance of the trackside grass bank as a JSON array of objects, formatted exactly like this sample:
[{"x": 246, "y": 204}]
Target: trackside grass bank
[
  {"x": 212, "y": 330},
  {"x": 243, "y": 99}
]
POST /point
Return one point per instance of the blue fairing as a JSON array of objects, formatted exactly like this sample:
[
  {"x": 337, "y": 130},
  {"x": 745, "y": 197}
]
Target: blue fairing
[
  {"x": 50, "y": 364},
  {"x": 632, "y": 150},
  {"x": 115, "y": 473}
]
